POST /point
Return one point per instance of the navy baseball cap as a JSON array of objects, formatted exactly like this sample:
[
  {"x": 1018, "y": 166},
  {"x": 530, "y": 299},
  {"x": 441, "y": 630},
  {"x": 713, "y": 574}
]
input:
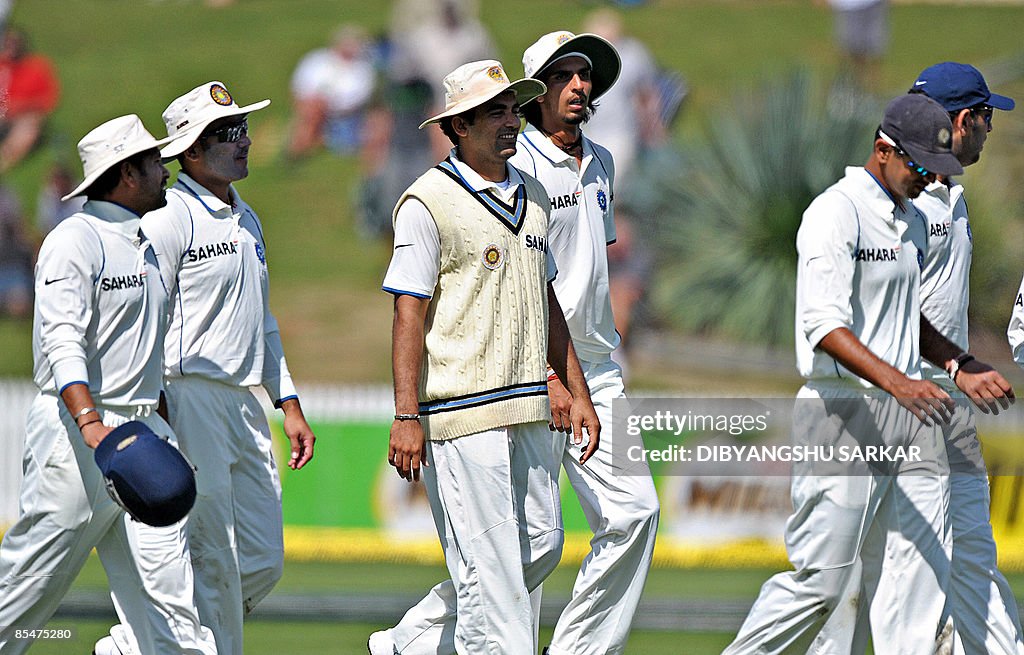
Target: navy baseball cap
[
  {"x": 958, "y": 86},
  {"x": 921, "y": 127},
  {"x": 146, "y": 475}
]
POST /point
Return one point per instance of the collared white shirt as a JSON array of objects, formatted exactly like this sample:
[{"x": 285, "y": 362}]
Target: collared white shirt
[
  {"x": 582, "y": 225},
  {"x": 945, "y": 279},
  {"x": 213, "y": 260},
  {"x": 860, "y": 256},
  {"x": 416, "y": 259},
  {"x": 100, "y": 308}
]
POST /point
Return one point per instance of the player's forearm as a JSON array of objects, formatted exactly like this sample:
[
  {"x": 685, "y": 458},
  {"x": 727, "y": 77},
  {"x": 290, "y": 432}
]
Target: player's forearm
[
  {"x": 845, "y": 348},
  {"x": 561, "y": 353},
  {"x": 936, "y": 348},
  {"x": 407, "y": 351},
  {"x": 82, "y": 407}
]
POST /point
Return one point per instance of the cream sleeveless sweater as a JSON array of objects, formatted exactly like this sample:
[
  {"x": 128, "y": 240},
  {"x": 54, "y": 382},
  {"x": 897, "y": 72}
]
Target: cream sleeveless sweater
[{"x": 487, "y": 323}]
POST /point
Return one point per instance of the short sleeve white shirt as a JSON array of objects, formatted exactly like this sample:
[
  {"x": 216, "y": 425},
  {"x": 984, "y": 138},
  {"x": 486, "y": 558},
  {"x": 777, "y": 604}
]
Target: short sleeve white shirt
[
  {"x": 415, "y": 260},
  {"x": 582, "y": 225}
]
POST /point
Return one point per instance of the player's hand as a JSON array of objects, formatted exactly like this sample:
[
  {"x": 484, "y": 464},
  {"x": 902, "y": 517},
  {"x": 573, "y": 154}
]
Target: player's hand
[
  {"x": 925, "y": 400},
  {"x": 989, "y": 390},
  {"x": 95, "y": 432},
  {"x": 561, "y": 406},
  {"x": 299, "y": 434},
  {"x": 584, "y": 417},
  {"x": 406, "y": 449}
]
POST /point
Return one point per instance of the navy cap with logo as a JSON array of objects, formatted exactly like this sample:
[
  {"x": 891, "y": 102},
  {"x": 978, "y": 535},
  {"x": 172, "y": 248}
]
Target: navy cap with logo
[
  {"x": 958, "y": 86},
  {"x": 921, "y": 127},
  {"x": 146, "y": 475}
]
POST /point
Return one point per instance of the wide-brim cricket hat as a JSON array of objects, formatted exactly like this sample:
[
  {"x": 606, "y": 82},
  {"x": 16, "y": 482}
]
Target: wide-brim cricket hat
[
  {"x": 146, "y": 475},
  {"x": 921, "y": 127},
  {"x": 605, "y": 64},
  {"x": 471, "y": 85},
  {"x": 188, "y": 115},
  {"x": 110, "y": 144},
  {"x": 958, "y": 86}
]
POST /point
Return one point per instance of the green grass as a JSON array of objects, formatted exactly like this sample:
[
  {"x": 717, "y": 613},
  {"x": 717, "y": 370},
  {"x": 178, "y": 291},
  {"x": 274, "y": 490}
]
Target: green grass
[
  {"x": 267, "y": 637},
  {"x": 325, "y": 291},
  {"x": 274, "y": 638}
]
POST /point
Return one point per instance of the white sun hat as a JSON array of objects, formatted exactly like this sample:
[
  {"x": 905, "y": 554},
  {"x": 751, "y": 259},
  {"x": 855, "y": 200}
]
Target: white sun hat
[
  {"x": 471, "y": 85},
  {"x": 188, "y": 115},
  {"x": 110, "y": 144},
  {"x": 605, "y": 63}
]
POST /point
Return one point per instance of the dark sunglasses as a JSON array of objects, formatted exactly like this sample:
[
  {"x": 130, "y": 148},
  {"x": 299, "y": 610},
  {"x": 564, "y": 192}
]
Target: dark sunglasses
[
  {"x": 920, "y": 170},
  {"x": 229, "y": 133},
  {"x": 985, "y": 111}
]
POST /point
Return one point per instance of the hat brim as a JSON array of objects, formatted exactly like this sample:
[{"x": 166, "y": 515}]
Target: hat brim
[
  {"x": 1001, "y": 102},
  {"x": 526, "y": 89},
  {"x": 184, "y": 139},
  {"x": 940, "y": 163},
  {"x": 127, "y": 153},
  {"x": 604, "y": 59}
]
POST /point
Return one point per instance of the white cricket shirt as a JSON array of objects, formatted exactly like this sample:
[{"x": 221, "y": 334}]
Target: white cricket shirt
[
  {"x": 1015, "y": 331},
  {"x": 582, "y": 226},
  {"x": 415, "y": 260},
  {"x": 945, "y": 279},
  {"x": 213, "y": 260},
  {"x": 860, "y": 256},
  {"x": 100, "y": 308}
]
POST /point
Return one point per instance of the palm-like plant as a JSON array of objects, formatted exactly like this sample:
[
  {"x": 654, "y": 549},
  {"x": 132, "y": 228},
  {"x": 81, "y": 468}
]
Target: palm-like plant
[{"x": 726, "y": 228}]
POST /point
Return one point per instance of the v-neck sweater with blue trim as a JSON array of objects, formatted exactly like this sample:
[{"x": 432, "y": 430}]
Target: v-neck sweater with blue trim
[{"x": 486, "y": 333}]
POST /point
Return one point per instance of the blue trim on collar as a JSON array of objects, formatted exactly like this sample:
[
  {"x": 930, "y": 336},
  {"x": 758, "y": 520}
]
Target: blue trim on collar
[
  {"x": 895, "y": 202},
  {"x": 539, "y": 152},
  {"x": 127, "y": 209},
  {"x": 196, "y": 195}
]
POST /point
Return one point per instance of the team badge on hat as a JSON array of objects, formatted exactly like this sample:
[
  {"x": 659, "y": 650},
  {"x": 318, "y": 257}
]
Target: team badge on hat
[
  {"x": 220, "y": 95},
  {"x": 493, "y": 257},
  {"x": 496, "y": 74}
]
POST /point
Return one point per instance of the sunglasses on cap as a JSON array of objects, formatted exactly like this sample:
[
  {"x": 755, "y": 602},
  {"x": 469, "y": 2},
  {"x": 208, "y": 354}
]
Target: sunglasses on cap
[
  {"x": 920, "y": 170},
  {"x": 229, "y": 133}
]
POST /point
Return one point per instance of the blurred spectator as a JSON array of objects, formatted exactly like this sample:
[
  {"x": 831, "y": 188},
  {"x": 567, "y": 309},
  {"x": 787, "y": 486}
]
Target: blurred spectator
[
  {"x": 29, "y": 91},
  {"x": 5, "y": 12},
  {"x": 633, "y": 115},
  {"x": 429, "y": 39},
  {"x": 50, "y": 209},
  {"x": 630, "y": 262},
  {"x": 862, "y": 35},
  {"x": 330, "y": 91},
  {"x": 16, "y": 254}
]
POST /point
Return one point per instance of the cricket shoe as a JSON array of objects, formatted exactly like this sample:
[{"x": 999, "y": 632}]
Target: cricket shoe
[{"x": 380, "y": 643}]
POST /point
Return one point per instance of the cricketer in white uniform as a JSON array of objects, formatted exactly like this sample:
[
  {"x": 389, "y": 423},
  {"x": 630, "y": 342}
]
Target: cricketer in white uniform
[
  {"x": 860, "y": 247},
  {"x": 982, "y": 604},
  {"x": 97, "y": 340},
  {"x": 470, "y": 274},
  {"x": 619, "y": 502},
  {"x": 221, "y": 340}
]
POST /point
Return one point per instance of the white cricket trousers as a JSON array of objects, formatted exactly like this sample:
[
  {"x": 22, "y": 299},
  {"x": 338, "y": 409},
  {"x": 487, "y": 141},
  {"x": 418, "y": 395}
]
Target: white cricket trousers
[
  {"x": 622, "y": 510},
  {"x": 235, "y": 529},
  {"x": 494, "y": 498},
  {"x": 65, "y": 512},
  {"x": 896, "y": 524},
  {"x": 981, "y": 602}
]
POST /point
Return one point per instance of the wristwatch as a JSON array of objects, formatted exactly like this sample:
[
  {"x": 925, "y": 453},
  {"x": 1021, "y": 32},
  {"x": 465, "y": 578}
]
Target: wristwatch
[{"x": 956, "y": 364}]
